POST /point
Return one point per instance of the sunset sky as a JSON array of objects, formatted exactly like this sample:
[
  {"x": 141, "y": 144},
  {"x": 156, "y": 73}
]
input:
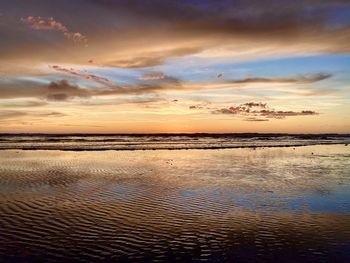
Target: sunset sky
[{"x": 142, "y": 66}]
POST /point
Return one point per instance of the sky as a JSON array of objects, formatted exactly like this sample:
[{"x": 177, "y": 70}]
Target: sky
[{"x": 161, "y": 66}]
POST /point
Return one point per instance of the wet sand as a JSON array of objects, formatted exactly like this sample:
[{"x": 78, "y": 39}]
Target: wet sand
[{"x": 231, "y": 205}]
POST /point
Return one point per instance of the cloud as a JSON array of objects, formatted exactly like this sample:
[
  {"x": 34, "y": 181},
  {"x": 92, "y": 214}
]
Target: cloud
[
  {"x": 128, "y": 33},
  {"x": 137, "y": 62},
  {"x": 13, "y": 114},
  {"x": 82, "y": 75},
  {"x": 153, "y": 76},
  {"x": 154, "y": 83},
  {"x": 302, "y": 79},
  {"x": 254, "y": 119},
  {"x": 63, "y": 90},
  {"x": 165, "y": 83},
  {"x": 255, "y": 104},
  {"x": 232, "y": 110},
  {"x": 255, "y": 111},
  {"x": 22, "y": 104},
  {"x": 268, "y": 83},
  {"x": 242, "y": 108},
  {"x": 142, "y": 100},
  {"x": 283, "y": 114},
  {"x": 200, "y": 106},
  {"x": 152, "y": 58},
  {"x": 21, "y": 89},
  {"x": 42, "y": 23}
]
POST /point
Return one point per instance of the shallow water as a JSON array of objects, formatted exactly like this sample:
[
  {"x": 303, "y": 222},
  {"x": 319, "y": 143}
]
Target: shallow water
[{"x": 231, "y": 205}]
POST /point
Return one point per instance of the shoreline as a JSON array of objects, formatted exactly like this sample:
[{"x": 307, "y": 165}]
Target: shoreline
[{"x": 170, "y": 148}]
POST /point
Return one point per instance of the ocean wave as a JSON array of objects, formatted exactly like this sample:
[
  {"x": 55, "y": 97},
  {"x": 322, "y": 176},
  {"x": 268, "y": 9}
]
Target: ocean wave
[{"x": 132, "y": 142}]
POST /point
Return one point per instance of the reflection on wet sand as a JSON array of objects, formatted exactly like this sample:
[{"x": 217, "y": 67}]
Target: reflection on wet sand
[{"x": 242, "y": 205}]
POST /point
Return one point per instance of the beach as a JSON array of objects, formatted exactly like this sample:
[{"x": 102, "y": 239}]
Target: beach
[
  {"x": 282, "y": 204},
  {"x": 175, "y": 131}
]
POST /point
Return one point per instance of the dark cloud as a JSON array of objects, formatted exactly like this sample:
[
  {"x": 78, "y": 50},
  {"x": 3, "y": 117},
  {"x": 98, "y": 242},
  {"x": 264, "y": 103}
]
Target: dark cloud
[
  {"x": 195, "y": 107},
  {"x": 232, "y": 110},
  {"x": 312, "y": 78},
  {"x": 246, "y": 108},
  {"x": 283, "y": 114},
  {"x": 255, "y": 111},
  {"x": 253, "y": 11},
  {"x": 63, "y": 90},
  {"x": 255, "y": 104},
  {"x": 115, "y": 26}
]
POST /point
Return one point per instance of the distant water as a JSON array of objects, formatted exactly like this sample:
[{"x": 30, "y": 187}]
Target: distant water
[{"x": 98, "y": 142}]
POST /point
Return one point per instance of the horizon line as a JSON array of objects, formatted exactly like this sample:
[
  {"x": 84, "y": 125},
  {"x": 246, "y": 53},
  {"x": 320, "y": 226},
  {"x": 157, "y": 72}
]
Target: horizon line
[{"x": 170, "y": 133}]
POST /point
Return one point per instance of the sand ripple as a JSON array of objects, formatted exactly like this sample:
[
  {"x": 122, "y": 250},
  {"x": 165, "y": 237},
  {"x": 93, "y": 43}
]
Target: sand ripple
[{"x": 241, "y": 206}]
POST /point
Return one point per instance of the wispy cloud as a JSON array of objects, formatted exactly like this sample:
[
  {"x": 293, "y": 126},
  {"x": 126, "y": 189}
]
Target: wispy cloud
[
  {"x": 79, "y": 74},
  {"x": 262, "y": 82},
  {"x": 153, "y": 83},
  {"x": 302, "y": 79},
  {"x": 23, "y": 104},
  {"x": 49, "y": 23},
  {"x": 64, "y": 90},
  {"x": 14, "y": 114},
  {"x": 254, "y": 119},
  {"x": 153, "y": 76},
  {"x": 151, "y": 58}
]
